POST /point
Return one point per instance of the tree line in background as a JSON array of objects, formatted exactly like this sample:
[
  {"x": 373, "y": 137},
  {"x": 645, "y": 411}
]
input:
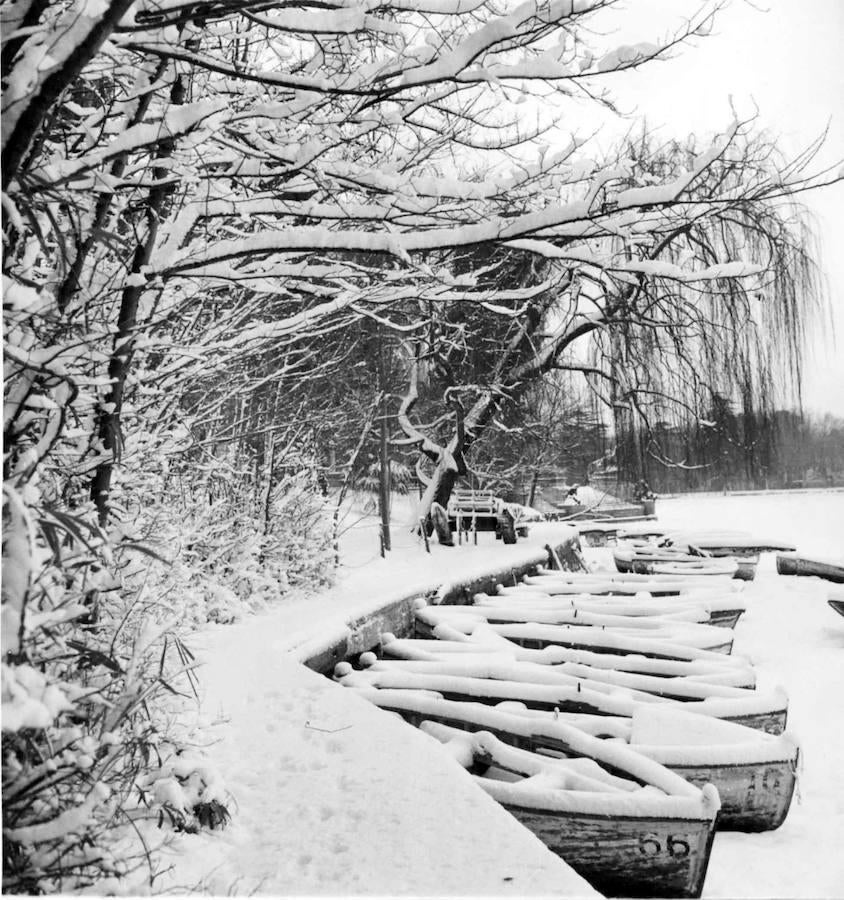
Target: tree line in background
[
  {"x": 556, "y": 439},
  {"x": 729, "y": 450},
  {"x": 248, "y": 244}
]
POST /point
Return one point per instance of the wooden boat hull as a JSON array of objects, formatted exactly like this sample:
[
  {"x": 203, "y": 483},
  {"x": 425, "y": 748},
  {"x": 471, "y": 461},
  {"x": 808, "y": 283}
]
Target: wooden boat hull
[
  {"x": 418, "y": 649},
  {"x": 755, "y": 792},
  {"x": 627, "y": 857},
  {"x": 725, "y": 544},
  {"x": 720, "y": 611},
  {"x": 625, "y": 566},
  {"x": 795, "y": 565},
  {"x": 754, "y": 796},
  {"x": 747, "y": 558},
  {"x": 746, "y": 570},
  {"x": 715, "y": 569},
  {"x": 624, "y": 583},
  {"x": 772, "y": 722},
  {"x": 665, "y": 565},
  {"x": 575, "y": 513},
  {"x": 426, "y": 630},
  {"x": 725, "y": 618},
  {"x": 626, "y": 824},
  {"x": 540, "y": 643},
  {"x": 682, "y": 625}
]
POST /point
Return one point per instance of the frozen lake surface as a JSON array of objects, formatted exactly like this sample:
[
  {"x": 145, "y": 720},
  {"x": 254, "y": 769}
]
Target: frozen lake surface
[{"x": 796, "y": 640}]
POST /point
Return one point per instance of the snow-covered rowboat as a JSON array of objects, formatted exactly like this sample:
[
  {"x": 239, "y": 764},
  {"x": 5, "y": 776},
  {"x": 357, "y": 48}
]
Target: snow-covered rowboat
[
  {"x": 629, "y": 826},
  {"x": 741, "y": 546},
  {"x": 720, "y": 670},
  {"x": 792, "y": 564},
  {"x": 723, "y": 543},
  {"x": 665, "y": 644},
  {"x": 579, "y": 610},
  {"x": 700, "y": 565},
  {"x": 491, "y": 681},
  {"x": 609, "y": 582},
  {"x": 702, "y": 607},
  {"x": 720, "y": 594},
  {"x": 666, "y": 561},
  {"x": 676, "y": 627},
  {"x": 755, "y": 773}
]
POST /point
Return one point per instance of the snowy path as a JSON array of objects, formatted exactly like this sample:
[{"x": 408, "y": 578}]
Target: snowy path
[{"x": 336, "y": 797}]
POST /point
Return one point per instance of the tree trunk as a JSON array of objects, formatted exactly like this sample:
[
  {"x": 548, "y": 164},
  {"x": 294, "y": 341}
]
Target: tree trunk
[
  {"x": 41, "y": 99},
  {"x": 438, "y": 489},
  {"x": 534, "y": 481},
  {"x": 451, "y": 462},
  {"x": 108, "y": 422}
]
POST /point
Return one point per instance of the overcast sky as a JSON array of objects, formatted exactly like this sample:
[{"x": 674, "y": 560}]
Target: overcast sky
[{"x": 786, "y": 57}]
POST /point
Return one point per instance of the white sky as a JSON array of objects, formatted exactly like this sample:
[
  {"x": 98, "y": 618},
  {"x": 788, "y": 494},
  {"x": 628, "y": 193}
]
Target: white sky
[{"x": 784, "y": 57}]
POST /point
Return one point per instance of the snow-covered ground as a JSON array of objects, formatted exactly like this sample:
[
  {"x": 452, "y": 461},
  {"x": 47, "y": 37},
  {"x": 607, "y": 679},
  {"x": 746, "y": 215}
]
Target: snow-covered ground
[{"x": 334, "y": 797}]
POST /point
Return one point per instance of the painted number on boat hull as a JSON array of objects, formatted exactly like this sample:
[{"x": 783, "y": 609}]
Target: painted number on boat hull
[
  {"x": 650, "y": 845},
  {"x": 768, "y": 783}
]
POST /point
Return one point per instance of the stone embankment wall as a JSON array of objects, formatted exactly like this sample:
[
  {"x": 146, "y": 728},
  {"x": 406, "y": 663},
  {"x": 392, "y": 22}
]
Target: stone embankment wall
[{"x": 397, "y": 616}]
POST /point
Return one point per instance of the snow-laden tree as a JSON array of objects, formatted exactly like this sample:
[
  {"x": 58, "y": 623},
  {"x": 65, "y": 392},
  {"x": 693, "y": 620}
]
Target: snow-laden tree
[
  {"x": 256, "y": 152},
  {"x": 696, "y": 280},
  {"x": 677, "y": 345}
]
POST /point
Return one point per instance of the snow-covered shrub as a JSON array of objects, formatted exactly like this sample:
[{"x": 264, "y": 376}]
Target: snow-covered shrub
[
  {"x": 226, "y": 555},
  {"x": 402, "y": 478},
  {"x": 200, "y": 543},
  {"x": 300, "y": 532},
  {"x": 89, "y": 656},
  {"x": 188, "y": 793}
]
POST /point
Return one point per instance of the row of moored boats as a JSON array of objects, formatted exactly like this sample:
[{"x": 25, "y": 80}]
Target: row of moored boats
[
  {"x": 649, "y": 549},
  {"x": 605, "y": 711}
]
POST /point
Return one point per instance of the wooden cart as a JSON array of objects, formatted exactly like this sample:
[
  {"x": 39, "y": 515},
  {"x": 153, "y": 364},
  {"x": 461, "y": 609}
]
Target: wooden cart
[{"x": 482, "y": 511}]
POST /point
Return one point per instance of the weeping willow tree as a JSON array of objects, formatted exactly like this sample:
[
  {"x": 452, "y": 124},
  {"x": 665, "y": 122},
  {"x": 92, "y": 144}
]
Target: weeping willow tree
[
  {"x": 686, "y": 335},
  {"x": 685, "y": 276}
]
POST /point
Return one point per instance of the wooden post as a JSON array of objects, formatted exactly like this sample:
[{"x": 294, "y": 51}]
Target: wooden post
[
  {"x": 556, "y": 563},
  {"x": 384, "y": 454},
  {"x": 384, "y": 483}
]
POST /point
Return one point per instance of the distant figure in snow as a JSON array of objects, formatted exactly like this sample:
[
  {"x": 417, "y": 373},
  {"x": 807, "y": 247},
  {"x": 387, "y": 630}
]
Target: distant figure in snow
[
  {"x": 571, "y": 498},
  {"x": 643, "y": 491}
]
